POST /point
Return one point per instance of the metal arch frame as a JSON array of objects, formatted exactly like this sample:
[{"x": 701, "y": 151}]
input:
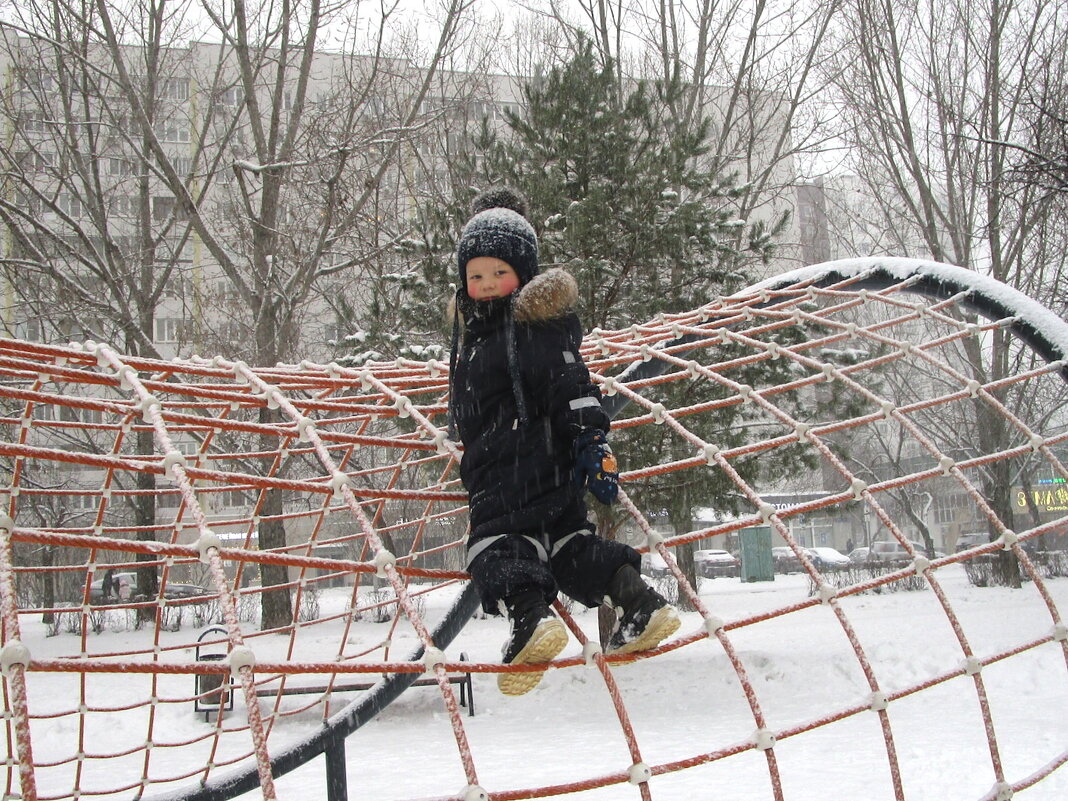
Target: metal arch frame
[
  {"x": 941, "y": 282},
  {"x": 931, "y": 279}
]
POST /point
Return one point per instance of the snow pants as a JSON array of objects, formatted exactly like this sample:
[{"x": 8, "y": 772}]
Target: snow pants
[{"x": 566, "y": 556}]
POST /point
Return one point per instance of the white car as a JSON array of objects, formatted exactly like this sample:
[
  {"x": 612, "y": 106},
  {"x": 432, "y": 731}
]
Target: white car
[{"x": 825, "y": 558}]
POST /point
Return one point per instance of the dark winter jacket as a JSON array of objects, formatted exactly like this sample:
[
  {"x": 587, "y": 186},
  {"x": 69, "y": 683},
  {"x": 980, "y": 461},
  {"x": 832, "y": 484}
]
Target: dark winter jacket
[{"x": 520, "y": 477}]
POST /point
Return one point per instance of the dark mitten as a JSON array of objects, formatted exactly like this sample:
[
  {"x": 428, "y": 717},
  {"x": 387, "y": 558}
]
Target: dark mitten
[{"x": 595, "y": 465}]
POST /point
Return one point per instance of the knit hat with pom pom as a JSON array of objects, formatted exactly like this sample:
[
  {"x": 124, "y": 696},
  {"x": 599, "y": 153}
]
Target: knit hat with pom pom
[{"x": 499, "y": 228}]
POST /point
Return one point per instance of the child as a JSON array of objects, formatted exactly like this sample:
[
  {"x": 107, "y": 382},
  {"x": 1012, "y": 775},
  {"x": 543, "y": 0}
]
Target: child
[{"x": 534, "y": 436}]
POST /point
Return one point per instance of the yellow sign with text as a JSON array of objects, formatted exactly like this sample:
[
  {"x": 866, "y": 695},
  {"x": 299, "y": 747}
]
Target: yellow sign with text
[{"x": 1045, "y": 499}]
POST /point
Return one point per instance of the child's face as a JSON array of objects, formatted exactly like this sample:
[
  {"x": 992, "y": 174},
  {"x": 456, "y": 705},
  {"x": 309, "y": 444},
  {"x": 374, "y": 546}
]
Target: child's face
[{"x": 489, "y": 278}]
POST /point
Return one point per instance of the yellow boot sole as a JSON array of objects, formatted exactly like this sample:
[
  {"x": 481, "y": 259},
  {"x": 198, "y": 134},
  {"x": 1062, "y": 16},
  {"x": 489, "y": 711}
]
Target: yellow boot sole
[
  {"x": 548, "y": 639},
  {"x": 664, "y": 622}
]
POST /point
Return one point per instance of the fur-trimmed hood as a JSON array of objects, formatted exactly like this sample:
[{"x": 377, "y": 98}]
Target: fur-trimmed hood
[{"x": 547, "y": 296}]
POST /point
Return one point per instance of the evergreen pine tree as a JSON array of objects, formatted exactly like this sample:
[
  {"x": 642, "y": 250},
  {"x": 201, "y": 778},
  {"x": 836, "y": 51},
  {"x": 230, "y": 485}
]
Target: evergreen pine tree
[{"x": 626, "y": 201}]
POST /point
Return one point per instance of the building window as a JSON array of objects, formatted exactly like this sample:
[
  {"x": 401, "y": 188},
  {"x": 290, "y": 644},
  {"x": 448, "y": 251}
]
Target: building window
[
  {"x": 233, "y": 96},
  {"x": 164, "y": 208},
  {"x": 123, "y": 205},
  {"x": 30, "y": 124},
  {"x": 70, "y": 205},
  {"x": 35, "y": 161},
  {"x": 169, "y": 329},
  {"x": 37, "y": 81},
  {"x": 172, "y": 131},
  {"x": 176, "y": 89}
]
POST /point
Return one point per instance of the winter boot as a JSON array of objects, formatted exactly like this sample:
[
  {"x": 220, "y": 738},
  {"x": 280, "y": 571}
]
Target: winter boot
[
  {"x": 645, "y": 618},
  {"x": 537, "y": 636}
]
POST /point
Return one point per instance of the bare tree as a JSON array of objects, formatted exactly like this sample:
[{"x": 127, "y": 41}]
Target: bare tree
[
  {"x": 930, "y": 93},
  {"x": 260, "y": 152}
]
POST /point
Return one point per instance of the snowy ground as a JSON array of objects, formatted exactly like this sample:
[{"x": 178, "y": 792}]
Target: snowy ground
[{"x": 689, "y": 701}]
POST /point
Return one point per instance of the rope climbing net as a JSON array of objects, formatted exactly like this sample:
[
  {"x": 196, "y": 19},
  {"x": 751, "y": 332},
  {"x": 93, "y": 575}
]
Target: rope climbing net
[{"x": 206, "y": 567}]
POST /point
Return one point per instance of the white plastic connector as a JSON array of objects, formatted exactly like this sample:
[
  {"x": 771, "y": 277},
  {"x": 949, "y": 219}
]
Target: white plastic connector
[
  {"x": 403, "y": 407},
  {"x": 858, "y": 486},
  {"x": 384, "y": 559},
  {"x": 774, "y": 351},
  {"x": 802, "y": 430},
  {"x": 1002, "y": 791},
  {"x": 646, "y": 353},
  {"x": 1008, "y": 539},
  {"x": 710, "y": 452},
  {"x": 693, "y": 369},
  {"x": 609, "y": 386},
  {"x": 172, "y": 458},
  {"x": 657, "y": 410},
  {"x": 765, "y": 510},
  {"x": 126, "y": 376},
  {"x": 713, "y": 624},
  {"x": 639, "y": 773},
  {"x": 439, "y": 442},
  {"x": 653, "y": 540},
  {"x": 764, "y": 739},
  {"x": 946, "y": 464},
  {"x": 1037, "y": 442},
  {"x": 433, "y": 658},
  {"x": 888, "y": 409},
  {"x": 149, "y": 403},
  {"x": 1060, "y": 632},
  {"x": 14, "y": 653},
  {"x": 878, "y": 701},
  {"x": 920, "y": 565},
  {"x": 305, "y": 426},
  {"x": 590, "y": 652},
  {"x": 745, "y": 391},
  {"x": 205, "y": 542},
  {"x": 475, "y": 793},
  {"x": 972, "y": 665},
  {"x": 337, "y": 482},
  {"x": 240, "y": 368},
  {"x": 828, "y": 594},
  {"x": 241, "y": 657},
  {"x": 973, "y": 387}
]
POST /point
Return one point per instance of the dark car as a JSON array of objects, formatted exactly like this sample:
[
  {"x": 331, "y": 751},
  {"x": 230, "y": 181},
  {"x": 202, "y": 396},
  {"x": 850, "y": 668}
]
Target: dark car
[
  {"x": 785, "y": 560},
  {"x": 173, "y": 590},
  {"x": 712, "y": 562},
  {"x": 892, "y": 552}
]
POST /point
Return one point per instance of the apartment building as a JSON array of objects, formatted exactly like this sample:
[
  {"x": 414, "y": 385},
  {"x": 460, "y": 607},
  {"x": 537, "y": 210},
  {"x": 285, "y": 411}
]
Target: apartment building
[{"x": 115, "y": 236}]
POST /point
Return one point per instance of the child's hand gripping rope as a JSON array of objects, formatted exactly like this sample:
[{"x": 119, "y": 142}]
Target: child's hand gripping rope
[{"x": 595, "y": 465}]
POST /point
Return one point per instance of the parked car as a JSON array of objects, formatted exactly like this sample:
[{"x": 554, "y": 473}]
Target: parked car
[
  {"x": 966, "y": 541},
  {"x": 173, "y": 590},
  {"x": 858, "y": 556},
  {"x": 893, "y": 552},
  {"x": 785, "y": 560},
  {"x": 654, "y": 566},
  {"x": 713, "y": 562},
  {"x": 825, "y": 558}
]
